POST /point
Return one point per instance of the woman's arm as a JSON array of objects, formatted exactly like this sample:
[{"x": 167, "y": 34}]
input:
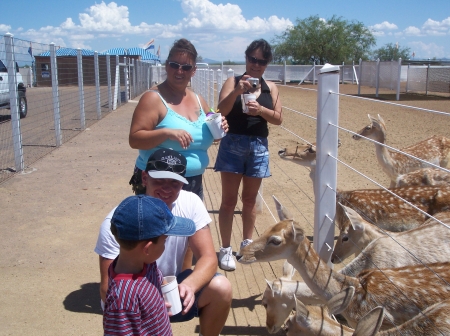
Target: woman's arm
[
  {"x": 230, "y": 92},
  {"x": 147, "y": 114}
]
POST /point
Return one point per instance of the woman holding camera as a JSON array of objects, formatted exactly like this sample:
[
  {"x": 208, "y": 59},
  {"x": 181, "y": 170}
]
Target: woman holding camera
[{"x": 243, "y": 154}]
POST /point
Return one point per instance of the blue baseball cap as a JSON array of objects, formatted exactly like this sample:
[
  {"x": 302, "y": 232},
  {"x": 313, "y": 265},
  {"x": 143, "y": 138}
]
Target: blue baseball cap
[{"x": 143, "y": 217}]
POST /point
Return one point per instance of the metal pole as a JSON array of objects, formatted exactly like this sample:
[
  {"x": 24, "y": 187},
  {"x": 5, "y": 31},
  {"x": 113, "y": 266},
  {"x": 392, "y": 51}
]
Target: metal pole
[
  {"x": 81, "y": 89},
  {"x": 284, "y": 72},
  {"x": 360, "y": 76},
  {"x": 13, "y": 102},
  {"x": 211, "y": 88},
  {"x": 55, "y": 95},
  {"x": 327, "y": 143},
  {"x": 426, "y": 85},
  {"x": 377, "y": 78},
  {"x": 108, "y": 78},
  {"x": 399, "y": 78},
  {"x": 97, "y": 86}
]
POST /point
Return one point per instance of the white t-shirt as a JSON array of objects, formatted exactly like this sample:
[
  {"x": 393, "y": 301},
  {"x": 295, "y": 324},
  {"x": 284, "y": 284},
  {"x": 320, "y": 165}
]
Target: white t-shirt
[{"x": 187, "y": 205}]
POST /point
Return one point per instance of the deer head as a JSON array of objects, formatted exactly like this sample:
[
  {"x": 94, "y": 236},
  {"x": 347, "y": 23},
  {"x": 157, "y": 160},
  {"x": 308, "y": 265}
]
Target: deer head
[
  {"x": 372, "y": 131},
  {"x": 302, "y": 154},
  {"x": 316, "y": 320}
]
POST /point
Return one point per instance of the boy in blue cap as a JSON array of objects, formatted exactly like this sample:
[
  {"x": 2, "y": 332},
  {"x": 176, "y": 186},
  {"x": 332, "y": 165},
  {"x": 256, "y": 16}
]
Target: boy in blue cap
[{"x": 134, "y": 303}]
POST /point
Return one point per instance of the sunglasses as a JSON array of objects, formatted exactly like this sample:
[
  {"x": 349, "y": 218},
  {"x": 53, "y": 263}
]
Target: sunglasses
[
  {"x": 163, "y": 166},
  {"x": 184, "y": 67},
  {"x": 254, "y": 60}
]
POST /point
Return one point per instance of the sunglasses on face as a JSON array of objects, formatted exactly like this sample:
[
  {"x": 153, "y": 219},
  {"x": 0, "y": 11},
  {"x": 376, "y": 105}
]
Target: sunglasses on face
[
  {"x": 254, "y": 60},
  {"x": 184, "y": 67},
  {"x": 163, "y": 166}
]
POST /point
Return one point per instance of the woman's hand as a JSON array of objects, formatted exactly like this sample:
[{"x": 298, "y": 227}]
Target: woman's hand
[
  {"x": 254, "y": 109},
  {"x": 244, "y": 85},
  {"x": 183, "y": 137},
  {"x": 225, "y": 124}
]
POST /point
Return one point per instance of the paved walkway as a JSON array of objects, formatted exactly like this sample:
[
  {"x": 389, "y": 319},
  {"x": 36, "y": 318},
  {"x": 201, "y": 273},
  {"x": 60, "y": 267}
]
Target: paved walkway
[{"x": 49, "y": 225}]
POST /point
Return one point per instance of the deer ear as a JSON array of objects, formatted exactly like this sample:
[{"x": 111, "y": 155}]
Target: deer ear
[
  {"x": 288, "y": 271},
  {"x": 341, "y": 300},
  {"x": 355, "y": 219},
  {"x": 297, "y": 232},
  {"x": 269, "y": 284},
  {"x": 370, "y": 323},
  {"x": 301, "y": 312},
  {"x": 283, "y": 213},
  {"x": 381, "y": 121}
]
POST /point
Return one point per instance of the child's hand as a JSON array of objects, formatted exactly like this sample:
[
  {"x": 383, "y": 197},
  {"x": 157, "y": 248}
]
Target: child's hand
[{"x": 168, "y": 306}]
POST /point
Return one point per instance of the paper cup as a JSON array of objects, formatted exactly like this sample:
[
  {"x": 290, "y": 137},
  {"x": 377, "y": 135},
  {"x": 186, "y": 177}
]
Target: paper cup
[
  {"x": 247, "y": 97},
  {"x": 171, "y": 294},
  {"x": 214, "y": 122}
]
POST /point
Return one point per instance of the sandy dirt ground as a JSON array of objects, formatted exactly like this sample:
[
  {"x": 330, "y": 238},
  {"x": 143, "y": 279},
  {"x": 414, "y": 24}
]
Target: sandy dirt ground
[{"x": 51, "y": 215}]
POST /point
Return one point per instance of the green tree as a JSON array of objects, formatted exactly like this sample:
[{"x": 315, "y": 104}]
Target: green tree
[
  {"x": 391, "y": 52},
  {"x": 314, "y": 40}
]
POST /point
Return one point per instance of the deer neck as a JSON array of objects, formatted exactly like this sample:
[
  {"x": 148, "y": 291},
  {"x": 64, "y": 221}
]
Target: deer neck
[
  {"x": 317, "y": 275},
  {"x": 384, "y": 157}
]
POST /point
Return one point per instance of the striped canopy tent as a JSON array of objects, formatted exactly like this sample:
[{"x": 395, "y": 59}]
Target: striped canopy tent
[
  {"x": 145, "y": 55},
  {"x": 68, "y": 52}
]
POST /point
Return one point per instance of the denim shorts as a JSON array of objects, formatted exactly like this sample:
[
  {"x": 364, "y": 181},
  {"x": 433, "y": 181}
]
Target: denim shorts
[
  {"x": 194, "y": 311},
  {"x": 243, "y": 154}
]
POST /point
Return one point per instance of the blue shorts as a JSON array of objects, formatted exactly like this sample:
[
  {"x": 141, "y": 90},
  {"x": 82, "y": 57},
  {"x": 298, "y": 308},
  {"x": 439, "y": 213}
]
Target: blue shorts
[
  {"x": 243, "y": 154},
  {"x": 194, "y": 311}
]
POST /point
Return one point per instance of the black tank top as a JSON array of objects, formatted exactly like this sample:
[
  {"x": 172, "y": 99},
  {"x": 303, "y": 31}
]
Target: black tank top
[{"x": 244, "y": 124}]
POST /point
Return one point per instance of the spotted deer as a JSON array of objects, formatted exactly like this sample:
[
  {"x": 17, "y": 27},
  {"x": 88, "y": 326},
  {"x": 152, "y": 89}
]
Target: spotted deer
[
  {"x": 423, "y": 176},
  {"x": 316, "y": 321},
  {"x": 426, "y": 244},
  {"x": 379, "y": 206},
  {"x": 390, "y": 288},
  {"x": 435, "y": 150}
]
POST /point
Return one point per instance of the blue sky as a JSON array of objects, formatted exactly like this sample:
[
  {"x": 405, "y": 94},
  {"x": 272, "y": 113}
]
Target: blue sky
[{"x": 221, "y": 30}]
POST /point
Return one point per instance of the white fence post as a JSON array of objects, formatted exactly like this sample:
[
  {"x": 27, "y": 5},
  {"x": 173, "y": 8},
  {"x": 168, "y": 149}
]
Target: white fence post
[
  {"x": 108, "y": 78},
  {"x": 230, "y": 73},
  {"x": 360, "y": 76},
  {"x": 327, "y": 143},
  {"x": 399, "y": 78},
  {"x": 55, "y": 95},
  {"x": 81, "y": 89},
  {"x": 13, "y": 103},
  {"x": 284, "y": 72},
  {"x": 97, "y": 86},
  {"x": 377, "y": 78},
  {"x": 211, "y": 88},
  {"x": 219, "y": 83}
]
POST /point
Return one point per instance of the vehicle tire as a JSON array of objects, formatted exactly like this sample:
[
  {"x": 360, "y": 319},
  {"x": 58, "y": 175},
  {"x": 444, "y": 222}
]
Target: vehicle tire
[{"x": 22, "y": 105}]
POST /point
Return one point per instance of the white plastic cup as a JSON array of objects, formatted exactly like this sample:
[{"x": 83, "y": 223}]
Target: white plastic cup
[
  {"x": 171, "y": 294},
  {"x": 214, "y": 122},
  {"x": 247, "y": 98}
]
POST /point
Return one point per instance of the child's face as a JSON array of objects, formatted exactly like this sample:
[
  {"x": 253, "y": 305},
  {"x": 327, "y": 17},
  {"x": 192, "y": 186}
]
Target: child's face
[{"x": 156, "y": 250}]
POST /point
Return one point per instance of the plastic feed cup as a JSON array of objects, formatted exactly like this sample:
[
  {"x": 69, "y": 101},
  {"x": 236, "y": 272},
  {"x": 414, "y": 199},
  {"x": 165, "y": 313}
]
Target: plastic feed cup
[
  {"x": 247, "y": 98},
  {"x": 171, "y": 294},
  {"x": 214, "y": 122}
]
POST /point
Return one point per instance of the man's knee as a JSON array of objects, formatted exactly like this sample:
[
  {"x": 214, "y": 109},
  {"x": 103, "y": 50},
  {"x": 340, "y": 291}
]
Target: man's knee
[{"x": 220, "y": 288}]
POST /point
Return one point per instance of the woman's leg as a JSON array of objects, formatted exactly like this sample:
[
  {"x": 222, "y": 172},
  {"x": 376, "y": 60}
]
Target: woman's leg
[
  {"x": 230, "y": 188},
  {"x": 250, "y": 187}
]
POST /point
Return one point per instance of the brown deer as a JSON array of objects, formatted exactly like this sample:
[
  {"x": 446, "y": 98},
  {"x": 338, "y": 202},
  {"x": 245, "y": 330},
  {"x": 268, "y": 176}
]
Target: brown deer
[
  {"x": 379, "y": 206},
  {"x": 403, "y": 292},
  {"x": 316, "y": 321},
  {"x": 435, "y": 150},
  {"x": 426, "y": 244},
  {"x": 423, "y": 176}
]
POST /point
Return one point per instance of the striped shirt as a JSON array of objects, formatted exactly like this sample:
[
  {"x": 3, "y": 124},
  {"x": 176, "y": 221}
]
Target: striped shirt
[{"x": 134, "y": 304}]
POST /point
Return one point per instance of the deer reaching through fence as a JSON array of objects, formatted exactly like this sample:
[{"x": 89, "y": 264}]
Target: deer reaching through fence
[{"x": 390, "y": 288}]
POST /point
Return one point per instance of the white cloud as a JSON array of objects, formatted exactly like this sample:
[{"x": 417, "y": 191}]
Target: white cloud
[
  {"x": 412, "y": 31},
  {"x": 436, "y": 28},
  {"x": 4, "y": 28},
  {"x": 424, "y": 50},
  {"x": 384, "y": 26}
]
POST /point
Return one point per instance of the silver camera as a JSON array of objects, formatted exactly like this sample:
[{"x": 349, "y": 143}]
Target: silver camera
[{"x": 253, "y": 81}]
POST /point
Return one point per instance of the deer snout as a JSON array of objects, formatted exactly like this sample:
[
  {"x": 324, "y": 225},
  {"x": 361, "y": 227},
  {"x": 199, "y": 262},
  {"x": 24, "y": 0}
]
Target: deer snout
[
  {"x": 282, "y": 152},
  {"x": 356, "y": 137}
]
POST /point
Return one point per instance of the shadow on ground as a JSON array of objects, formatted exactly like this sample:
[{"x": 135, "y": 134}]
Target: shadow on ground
[{"x": 84, "y": 300}]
